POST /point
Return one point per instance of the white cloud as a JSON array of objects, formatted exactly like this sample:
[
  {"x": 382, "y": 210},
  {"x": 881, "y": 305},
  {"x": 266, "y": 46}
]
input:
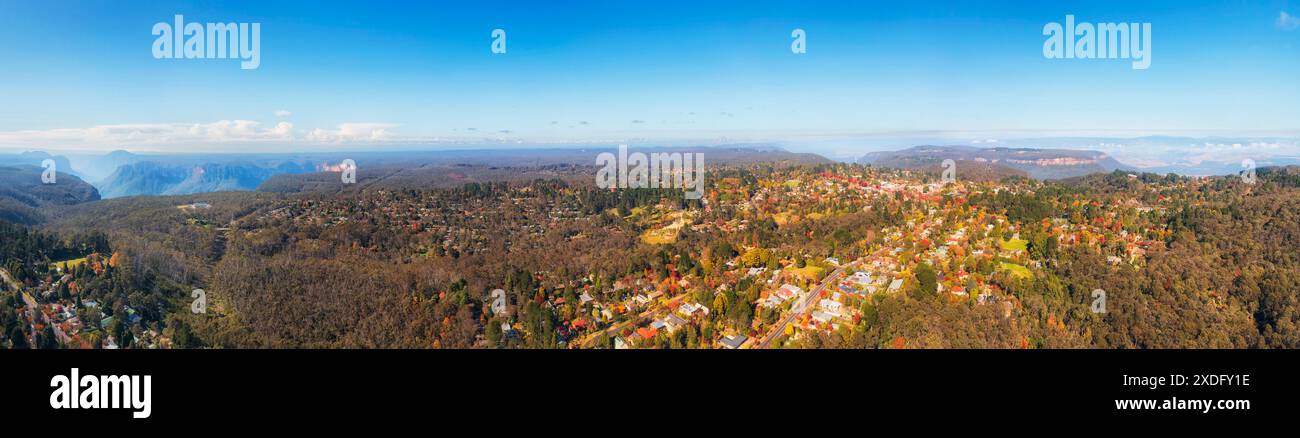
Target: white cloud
[
  {"x": 1144, "y": 163},
  {"x": 1232, "y": 152},
  {"x": 149, "y": 133},
  {"x": 236, "y": 130},
  {"x": 1287, "y": 21},
  {"x": 166, "y": 135},
  {"x": 350, "y": 132},
  {"x": 283, "y": 113},
  {"x": 283, "y": 129}
]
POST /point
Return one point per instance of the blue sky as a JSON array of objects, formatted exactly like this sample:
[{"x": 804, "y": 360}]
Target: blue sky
[{"x": 80, "y": 75}]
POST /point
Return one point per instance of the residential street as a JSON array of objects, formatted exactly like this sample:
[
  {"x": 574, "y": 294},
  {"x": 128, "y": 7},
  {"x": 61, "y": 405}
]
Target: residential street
[{"x": 801, "y": 307}]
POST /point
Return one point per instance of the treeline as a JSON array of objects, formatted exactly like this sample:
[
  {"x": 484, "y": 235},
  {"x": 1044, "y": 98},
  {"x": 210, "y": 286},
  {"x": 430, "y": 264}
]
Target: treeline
[
  {"x": 595, "y": 201},
  {"x": 27, "y": 253}
]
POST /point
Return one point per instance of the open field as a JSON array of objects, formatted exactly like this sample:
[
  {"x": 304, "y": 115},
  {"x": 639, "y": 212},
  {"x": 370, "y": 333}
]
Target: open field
[
  {"x": 1014, "y": 244},
  {"x": 72, "y": 264},
  {"x": 1016, "y": 270}
]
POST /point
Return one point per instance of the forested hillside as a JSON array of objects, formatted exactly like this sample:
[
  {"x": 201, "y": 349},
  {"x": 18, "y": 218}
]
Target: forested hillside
[{"x": 994, "y": 263}]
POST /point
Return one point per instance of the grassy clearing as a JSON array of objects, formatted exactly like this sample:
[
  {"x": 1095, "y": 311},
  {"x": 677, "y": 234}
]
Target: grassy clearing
[
  {"x": 1014, "y": 244},
  {"x": 659, "y": 236},
  {"x": 811, "y": 273},
  {"x": 72, "y": 264},
  {"x": 667, "y": 233},
  {"x": 1017, "y": 270}
]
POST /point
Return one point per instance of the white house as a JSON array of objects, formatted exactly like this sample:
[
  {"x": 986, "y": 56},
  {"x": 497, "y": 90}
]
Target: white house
[
  {"x": 690, "y": 309},
  {"x": 830, "y": 305}
]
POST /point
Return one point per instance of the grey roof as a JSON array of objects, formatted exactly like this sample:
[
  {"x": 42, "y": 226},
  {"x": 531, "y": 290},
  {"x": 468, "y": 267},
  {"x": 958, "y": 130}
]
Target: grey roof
[{"x": 734, "y": 341}]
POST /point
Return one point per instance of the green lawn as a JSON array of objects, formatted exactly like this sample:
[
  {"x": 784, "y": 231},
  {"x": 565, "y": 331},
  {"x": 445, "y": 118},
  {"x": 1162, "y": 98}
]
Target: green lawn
[
  {"x": 1014, "y": 244},
  {"x": 811, "y": 273},
  {"x": 1017, "y": 270},
  {"x": 660, "y": 236},
  {"x": 72, "y": 264}
]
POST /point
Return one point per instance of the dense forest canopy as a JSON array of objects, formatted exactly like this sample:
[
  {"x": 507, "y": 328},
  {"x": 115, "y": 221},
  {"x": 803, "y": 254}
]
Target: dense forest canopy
[{"x": 1183, "y": 262}]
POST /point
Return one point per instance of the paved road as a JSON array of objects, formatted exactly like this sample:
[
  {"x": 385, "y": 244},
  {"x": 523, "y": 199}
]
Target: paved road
[
  {"x": 801, "y": 307},
  {"x": 13, "y": 284},
  {"x": 28, "y": 301}
]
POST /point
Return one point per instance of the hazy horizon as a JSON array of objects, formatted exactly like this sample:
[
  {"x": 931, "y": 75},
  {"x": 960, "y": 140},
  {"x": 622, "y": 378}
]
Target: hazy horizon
[{"x": 1142, "y": 152}]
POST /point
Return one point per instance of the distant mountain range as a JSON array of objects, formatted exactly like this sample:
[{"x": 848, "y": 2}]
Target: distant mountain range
[
  {"x": 122, "y": 173},
  {"x": 35, "y": 158},
  {"x": 1037, "y": 163},
  {"x": 152, "y": 178},
  {"x": 23, "y": 195},
  {"x": 1222, "y": 168},
  {"x": 99, "y": 167},
  {"x": 178, "y": 175},
  {"x": 1199, "y": 156}
]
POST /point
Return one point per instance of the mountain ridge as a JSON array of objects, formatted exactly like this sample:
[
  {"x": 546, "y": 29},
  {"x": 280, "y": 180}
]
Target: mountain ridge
[
  {"x": 23, "y": 194},
  {"x": 1037, "y": 163}
]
